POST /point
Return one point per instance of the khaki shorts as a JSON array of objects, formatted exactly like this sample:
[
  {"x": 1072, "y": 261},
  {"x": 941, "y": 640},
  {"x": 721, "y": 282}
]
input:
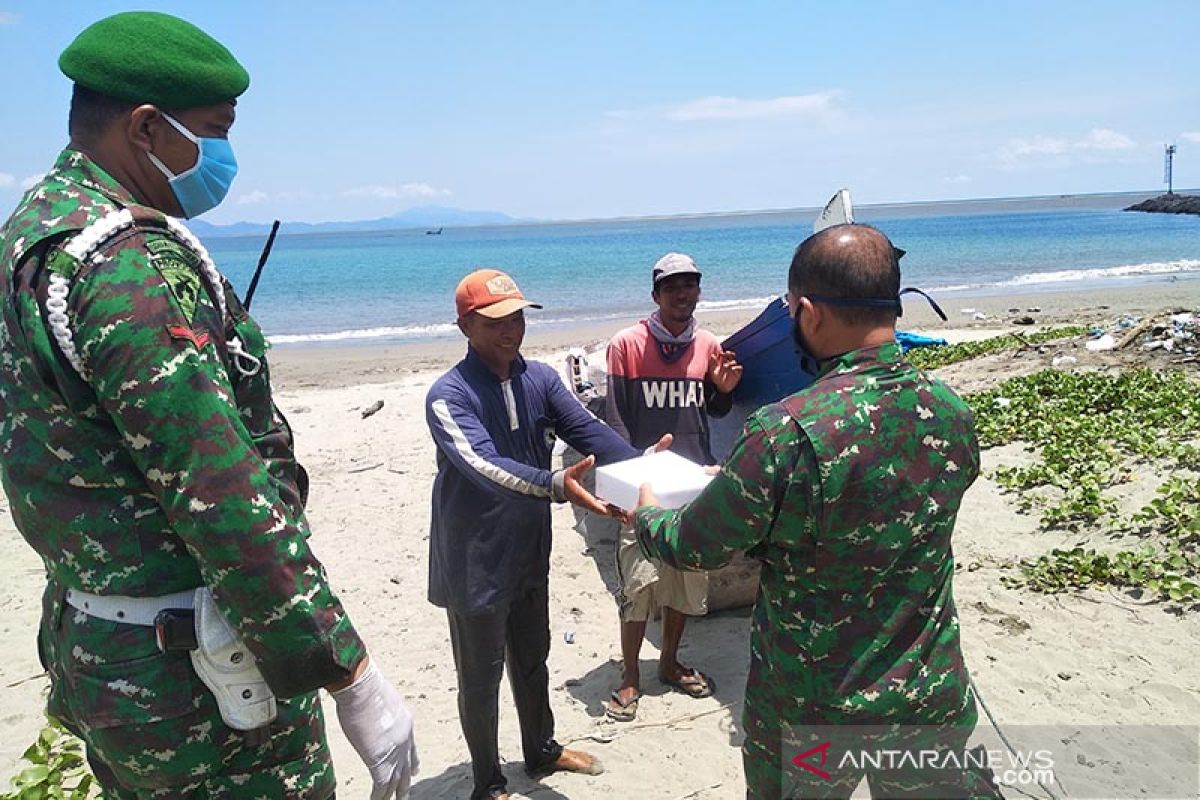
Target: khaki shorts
[{"x": 646, "y": 586}]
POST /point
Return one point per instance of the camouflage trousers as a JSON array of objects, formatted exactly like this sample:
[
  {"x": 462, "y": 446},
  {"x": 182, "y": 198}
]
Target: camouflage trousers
[
  {"x": 770, "y": 746},
  {"x": 153, "y": 730}
]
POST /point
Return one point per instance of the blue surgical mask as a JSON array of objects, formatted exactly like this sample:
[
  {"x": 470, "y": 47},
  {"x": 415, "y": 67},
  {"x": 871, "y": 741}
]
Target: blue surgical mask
[{"x": 203, "y": 186}]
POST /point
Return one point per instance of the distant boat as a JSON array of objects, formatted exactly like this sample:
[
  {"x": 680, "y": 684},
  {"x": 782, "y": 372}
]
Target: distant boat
[{"x": 433, "y": 232}]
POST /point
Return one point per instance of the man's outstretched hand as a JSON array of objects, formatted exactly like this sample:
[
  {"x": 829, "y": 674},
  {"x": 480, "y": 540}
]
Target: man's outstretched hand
[
  {"x": 646, "y": 497},
  {"x": 573, "y": 487}
]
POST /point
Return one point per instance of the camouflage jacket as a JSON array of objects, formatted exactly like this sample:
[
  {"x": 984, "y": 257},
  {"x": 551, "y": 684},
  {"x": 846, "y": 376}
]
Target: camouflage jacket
[
  {"x": 847, "y": 492},
  {"x": 139, "y": 447}
]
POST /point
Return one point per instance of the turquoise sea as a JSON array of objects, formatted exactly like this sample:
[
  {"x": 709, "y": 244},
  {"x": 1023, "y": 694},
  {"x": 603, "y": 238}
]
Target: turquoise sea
[{"x": 399, "y": 285}]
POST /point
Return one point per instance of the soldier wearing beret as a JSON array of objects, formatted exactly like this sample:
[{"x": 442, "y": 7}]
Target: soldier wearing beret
[{"x": 144, "y": 460}]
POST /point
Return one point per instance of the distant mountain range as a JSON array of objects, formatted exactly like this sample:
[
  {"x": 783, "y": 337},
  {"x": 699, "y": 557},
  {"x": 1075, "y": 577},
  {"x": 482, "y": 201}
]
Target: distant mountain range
[{"x": 429, "y": 217}]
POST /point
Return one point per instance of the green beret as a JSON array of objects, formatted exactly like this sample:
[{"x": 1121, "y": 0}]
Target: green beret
[{"x": 147, "y": 57}]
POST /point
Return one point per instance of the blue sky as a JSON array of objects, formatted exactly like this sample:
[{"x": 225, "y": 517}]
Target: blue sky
[{"x": 576, "y": 110}]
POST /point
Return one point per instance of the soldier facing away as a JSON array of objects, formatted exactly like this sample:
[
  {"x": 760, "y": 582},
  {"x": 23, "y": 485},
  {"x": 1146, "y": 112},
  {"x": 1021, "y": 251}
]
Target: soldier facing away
[
  {"x": 144, "y": 460},
  {"x": 847, "y": 492}
]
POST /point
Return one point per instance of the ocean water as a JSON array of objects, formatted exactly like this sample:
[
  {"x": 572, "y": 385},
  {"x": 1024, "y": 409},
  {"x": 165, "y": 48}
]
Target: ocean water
[{"x": 399, "y": 285}]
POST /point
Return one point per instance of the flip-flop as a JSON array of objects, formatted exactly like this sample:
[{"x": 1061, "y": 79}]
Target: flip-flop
[
  {"x": 699, "y": 686},
  {"x": 619, "y": 711}
]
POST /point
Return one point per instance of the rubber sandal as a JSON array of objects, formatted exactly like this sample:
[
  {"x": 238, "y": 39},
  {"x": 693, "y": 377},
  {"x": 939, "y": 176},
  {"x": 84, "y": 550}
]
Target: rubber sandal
[
  {"x": 699, "y": 686},
  {"x": 617, "y": 711}
]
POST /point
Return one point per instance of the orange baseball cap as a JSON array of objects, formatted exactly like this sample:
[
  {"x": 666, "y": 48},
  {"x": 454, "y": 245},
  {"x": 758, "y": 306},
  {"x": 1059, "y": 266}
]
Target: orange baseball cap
[{"x": 491, "y": 293}]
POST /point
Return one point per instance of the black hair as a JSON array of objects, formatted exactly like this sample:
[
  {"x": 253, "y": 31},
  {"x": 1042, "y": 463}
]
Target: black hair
[
  {"x": 865, "y": 266},
  {"x": 92, "y": 112}
]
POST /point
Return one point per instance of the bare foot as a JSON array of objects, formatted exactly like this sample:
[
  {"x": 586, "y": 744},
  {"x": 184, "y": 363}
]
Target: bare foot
[
  {"x": 576, "y": 761},
  {"x": 579, "y": 761}
]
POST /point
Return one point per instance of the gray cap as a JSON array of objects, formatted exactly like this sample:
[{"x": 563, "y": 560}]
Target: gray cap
[{"x": 674, "y": 264}]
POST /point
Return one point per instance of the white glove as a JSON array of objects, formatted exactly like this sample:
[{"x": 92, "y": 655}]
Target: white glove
[{"x": 380, "y": 728}]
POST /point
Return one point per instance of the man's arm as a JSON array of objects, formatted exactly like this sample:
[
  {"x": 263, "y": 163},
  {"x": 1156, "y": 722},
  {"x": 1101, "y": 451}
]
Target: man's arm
[
  {"x": 735, "y": 512},
  {"x": 583, "y": 431},
  {"x": 461, "y": 437},
  {"x": 716, "y": 403},
  {"x": 157, "y": 374}
]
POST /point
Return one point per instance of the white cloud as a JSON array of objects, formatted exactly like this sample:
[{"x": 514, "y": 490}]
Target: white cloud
[
  {"x": 717, "y": 108},
  {"x": 9, "y": 18},
  {"x": 739, "y": 108},
  {"x": 396, "y": 192},
  {"x": 1037, "y": 146},
  {"x": 250, "y": 198},
  {"x": 1191, "y": 136},
  {"x": 6, "y": 180},
  {"x": 31, "y": 180},
  {"x": 960, "y": 178},
  {"x": 1097, "y": 140},
  {"x": 1105, "y": 139}
]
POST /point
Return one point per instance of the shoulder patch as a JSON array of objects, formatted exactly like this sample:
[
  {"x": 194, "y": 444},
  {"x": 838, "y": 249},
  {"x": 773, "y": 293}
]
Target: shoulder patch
[
  {"x": 198, "y": 338},
  {"x": 180, "y": 268}
]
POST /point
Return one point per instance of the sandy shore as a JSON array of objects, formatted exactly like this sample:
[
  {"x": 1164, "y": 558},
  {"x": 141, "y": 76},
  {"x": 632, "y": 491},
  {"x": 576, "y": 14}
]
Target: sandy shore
[{"x": 1085, "y": 659}]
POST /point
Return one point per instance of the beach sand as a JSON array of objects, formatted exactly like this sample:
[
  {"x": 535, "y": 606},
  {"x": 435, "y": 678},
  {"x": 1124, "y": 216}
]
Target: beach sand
[{"x": 1093, "y": 658}]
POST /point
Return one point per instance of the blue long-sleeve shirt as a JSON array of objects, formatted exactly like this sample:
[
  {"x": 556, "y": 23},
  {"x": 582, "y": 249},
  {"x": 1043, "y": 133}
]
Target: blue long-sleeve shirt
[{"x": 490, "y": 529}]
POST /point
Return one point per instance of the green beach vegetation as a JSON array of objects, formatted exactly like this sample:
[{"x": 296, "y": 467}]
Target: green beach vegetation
[
  {"x": 934, "y": 357},
  {"x": 1091, "y": 432},
  {"x": 53, "y": 768}
]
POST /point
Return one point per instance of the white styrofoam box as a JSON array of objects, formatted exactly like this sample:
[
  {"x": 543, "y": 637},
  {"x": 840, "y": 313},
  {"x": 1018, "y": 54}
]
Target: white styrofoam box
[{"x": 675, "y": 480}]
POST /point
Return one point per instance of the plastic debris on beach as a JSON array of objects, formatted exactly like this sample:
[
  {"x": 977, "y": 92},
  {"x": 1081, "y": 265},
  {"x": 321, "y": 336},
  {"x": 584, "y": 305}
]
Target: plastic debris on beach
[
  {"x": 1179, "y": 332},
  {"x": 1176, "y": 335}
]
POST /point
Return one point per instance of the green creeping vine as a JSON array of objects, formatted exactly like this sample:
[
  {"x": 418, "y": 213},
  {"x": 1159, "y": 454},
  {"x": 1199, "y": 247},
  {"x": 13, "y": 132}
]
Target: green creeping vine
[
  {"x": 934, "y": 357},
  {"x": 1090, "y": 431}
]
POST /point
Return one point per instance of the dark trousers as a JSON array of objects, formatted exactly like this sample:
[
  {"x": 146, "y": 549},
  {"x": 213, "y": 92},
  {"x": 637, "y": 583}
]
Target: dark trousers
[{"x": 516, "y": 633}]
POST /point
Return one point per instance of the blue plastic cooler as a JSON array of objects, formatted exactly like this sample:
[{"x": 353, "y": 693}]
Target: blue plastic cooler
[{"x": 770, "y": 371}]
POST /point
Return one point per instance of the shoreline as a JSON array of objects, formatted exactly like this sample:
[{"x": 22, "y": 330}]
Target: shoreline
[{"x": 327, "y": 365}]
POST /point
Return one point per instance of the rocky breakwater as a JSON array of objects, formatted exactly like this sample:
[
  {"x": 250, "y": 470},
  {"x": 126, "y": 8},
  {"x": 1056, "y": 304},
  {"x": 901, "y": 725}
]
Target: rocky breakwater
[{"x": 1169, "y": 204}]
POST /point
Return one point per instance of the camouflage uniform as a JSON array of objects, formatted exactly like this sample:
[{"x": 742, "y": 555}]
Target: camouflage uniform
[
  {"x": 142, "y": 456},
  {"x": 847, "y": 493}
]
